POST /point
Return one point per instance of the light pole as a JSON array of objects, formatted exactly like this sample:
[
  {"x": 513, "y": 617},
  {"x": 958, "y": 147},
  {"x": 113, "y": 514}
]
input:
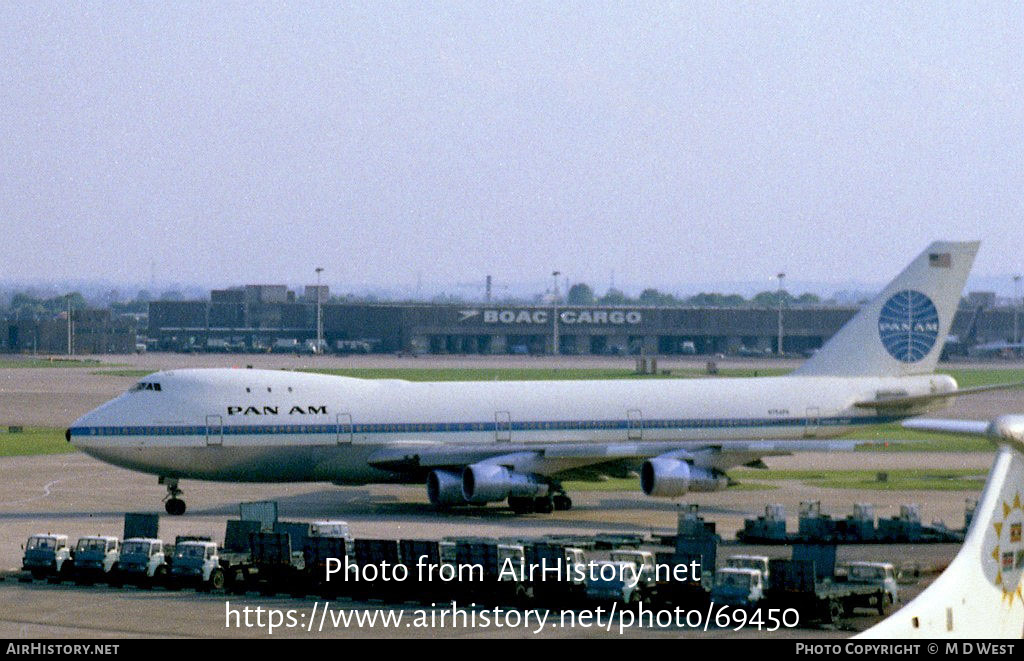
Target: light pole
[
  {"x": 554, "y": 317},
  {"x": 319, "y": 319},
  {"x": 1016, "y": 309},
  {"x": 71, "y": 341},
  {"x": 780, "y": 276}
]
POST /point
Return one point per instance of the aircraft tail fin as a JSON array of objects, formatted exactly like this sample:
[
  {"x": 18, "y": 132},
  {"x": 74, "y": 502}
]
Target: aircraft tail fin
[
  {"x": 980, "y": 593},
  {"x": 902, "y": 331}
]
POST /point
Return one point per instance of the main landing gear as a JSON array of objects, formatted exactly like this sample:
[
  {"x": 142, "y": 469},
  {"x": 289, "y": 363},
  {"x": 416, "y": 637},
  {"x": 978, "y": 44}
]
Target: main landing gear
[
  {"x": 557, "y": 502},
  {"x": 175, "y": 506}
]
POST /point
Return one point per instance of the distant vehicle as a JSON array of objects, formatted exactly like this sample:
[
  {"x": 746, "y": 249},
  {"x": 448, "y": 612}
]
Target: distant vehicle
[
  {"x": 880, "y": 574},
  {"x": 46, "y": 555},
  {"x": 752, "y": 352},
  {"x": 217, "y": 345},
  {"x": 285, "y": 345},
  {"x": 357, "y": 346},
  {"x": 95, "y": 557},
  {"x": 610, "y": 581},
  {"x": 687, "y": 348},
  {"x": 142, "y": 562},
  {"x": 196, "y": 563},
  {"x": 742, "y": 587},
  {"x": 759, "y": 562}
]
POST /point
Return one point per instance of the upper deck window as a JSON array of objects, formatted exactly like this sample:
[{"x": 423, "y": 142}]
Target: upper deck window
[{"x": 147, "y": 385}]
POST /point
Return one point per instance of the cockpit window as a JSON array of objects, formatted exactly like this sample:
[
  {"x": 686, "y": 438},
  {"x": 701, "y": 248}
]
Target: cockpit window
[{"x": 147, "y": 385}]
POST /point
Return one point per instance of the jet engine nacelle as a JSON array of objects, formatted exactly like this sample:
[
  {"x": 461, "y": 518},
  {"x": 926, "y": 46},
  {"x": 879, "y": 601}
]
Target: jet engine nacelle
[
  {"x": 444, "y": 488},
  {"x": 665, "y": 476},
  {"x": 489, "y": 482}
]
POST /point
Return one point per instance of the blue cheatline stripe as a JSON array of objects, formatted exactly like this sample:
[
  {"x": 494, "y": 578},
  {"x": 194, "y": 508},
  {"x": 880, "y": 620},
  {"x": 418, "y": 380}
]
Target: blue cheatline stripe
[{"x": 448, "y": 427}]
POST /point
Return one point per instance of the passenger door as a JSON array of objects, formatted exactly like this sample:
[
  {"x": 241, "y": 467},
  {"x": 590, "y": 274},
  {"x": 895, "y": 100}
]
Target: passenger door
[
  {"x": 634, "y": 425},
  {"x": 214, "y": 430},
  {"x": 343, "y": 428},
  {"x": 502, "y": 426}
]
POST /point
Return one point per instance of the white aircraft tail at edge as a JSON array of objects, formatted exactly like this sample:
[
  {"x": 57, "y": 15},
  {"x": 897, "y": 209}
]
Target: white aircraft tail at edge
[{"x": 980, "y": 594}]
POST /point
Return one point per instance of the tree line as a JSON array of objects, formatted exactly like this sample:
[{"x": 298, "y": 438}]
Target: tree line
[{"x": 583, "y": 294}]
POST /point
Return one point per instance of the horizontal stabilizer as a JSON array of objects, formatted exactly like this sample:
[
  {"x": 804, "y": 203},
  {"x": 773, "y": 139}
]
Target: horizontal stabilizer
[
  {"x": 970, "y": 427},
  {"x": 916, "y": 400}
]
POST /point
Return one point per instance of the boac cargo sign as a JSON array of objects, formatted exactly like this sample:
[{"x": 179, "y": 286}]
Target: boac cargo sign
[{"x": 542, "y": 316}]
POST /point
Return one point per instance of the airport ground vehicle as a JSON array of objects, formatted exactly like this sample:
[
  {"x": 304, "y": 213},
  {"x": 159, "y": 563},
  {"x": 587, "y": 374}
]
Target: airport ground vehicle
[
  {"x": 273, "y": 566},
  {"x": 555, "y": 573},
  {"x": 742, "y": 581},
  {"x": 742, "y": 587},
  {"x": 878, "y": 574},
  {"x": 796, "y": 584},
  {"x": 644, "y": 562},
  {"x": 94, "y": 558},
  {"x": 142, "y": 562},
  {"x": 615, "y": 581},
  {"x": 46, "y": 555},
  {"x": 196, "y": 563},
  {"x": 740, "y": 561},
  {"x": 494, "y": 586},
  {"x": 681, "y": 581}
]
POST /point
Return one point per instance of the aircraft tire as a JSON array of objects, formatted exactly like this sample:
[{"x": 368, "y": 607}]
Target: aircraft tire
[{"x": 543, "y": 505}]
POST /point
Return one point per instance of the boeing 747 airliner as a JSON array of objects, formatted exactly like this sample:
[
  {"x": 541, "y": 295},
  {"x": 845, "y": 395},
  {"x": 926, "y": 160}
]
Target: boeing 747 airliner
[{"x": 480, "y": 442}]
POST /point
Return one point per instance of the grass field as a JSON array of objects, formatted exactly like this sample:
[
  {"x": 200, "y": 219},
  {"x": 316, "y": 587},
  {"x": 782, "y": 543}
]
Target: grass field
[
  {"x": 34, "y": 440},
  {"x": 123, "y": 372},
  {"x": 15, "y": 363},
  {"x": 633, "y": 484},
  {"x": 936, "y": 479}
]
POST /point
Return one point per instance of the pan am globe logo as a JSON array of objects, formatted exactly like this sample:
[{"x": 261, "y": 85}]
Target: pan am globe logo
[{"x": 908, "y": 325}]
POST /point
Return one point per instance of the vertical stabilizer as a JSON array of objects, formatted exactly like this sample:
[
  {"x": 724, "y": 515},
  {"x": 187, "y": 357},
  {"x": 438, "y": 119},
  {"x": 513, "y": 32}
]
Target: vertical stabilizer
[
  {"x": 980, "y": 593},
  {"x": 902, "y": 331}
]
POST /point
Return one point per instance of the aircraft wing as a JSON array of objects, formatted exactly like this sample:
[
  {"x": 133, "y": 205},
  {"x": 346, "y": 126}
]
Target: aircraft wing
[{"x": 551, "y": 459}]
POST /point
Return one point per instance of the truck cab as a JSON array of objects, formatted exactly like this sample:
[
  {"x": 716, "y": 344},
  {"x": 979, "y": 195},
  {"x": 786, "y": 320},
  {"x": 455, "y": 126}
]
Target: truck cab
[
  {"x": 881, "y": 574},
  {"x": 198, "y": 563},
  {"x": 758, "y": 562},
  {"x": 615, "y": 581},
  {"x": 95, "y": 556},
  {"x": 742, "y": 587},
  {"x": 142, "y": 561},
  {"x": 45, "y": 555},
  {"x": 575, "y": 563},
  {"x": 644, "y": 564},
  {"x": 644, "y": 560}
]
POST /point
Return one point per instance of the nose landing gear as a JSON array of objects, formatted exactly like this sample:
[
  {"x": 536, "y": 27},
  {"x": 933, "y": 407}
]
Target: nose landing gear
[{"x": 172, "y": 504}]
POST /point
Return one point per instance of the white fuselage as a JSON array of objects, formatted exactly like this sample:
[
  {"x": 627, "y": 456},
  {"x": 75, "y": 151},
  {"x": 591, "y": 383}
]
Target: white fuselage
[{"x": 261, "y": 425}]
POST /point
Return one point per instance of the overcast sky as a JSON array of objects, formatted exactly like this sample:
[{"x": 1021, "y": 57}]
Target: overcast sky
[{"x": 385, "y": 141}]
